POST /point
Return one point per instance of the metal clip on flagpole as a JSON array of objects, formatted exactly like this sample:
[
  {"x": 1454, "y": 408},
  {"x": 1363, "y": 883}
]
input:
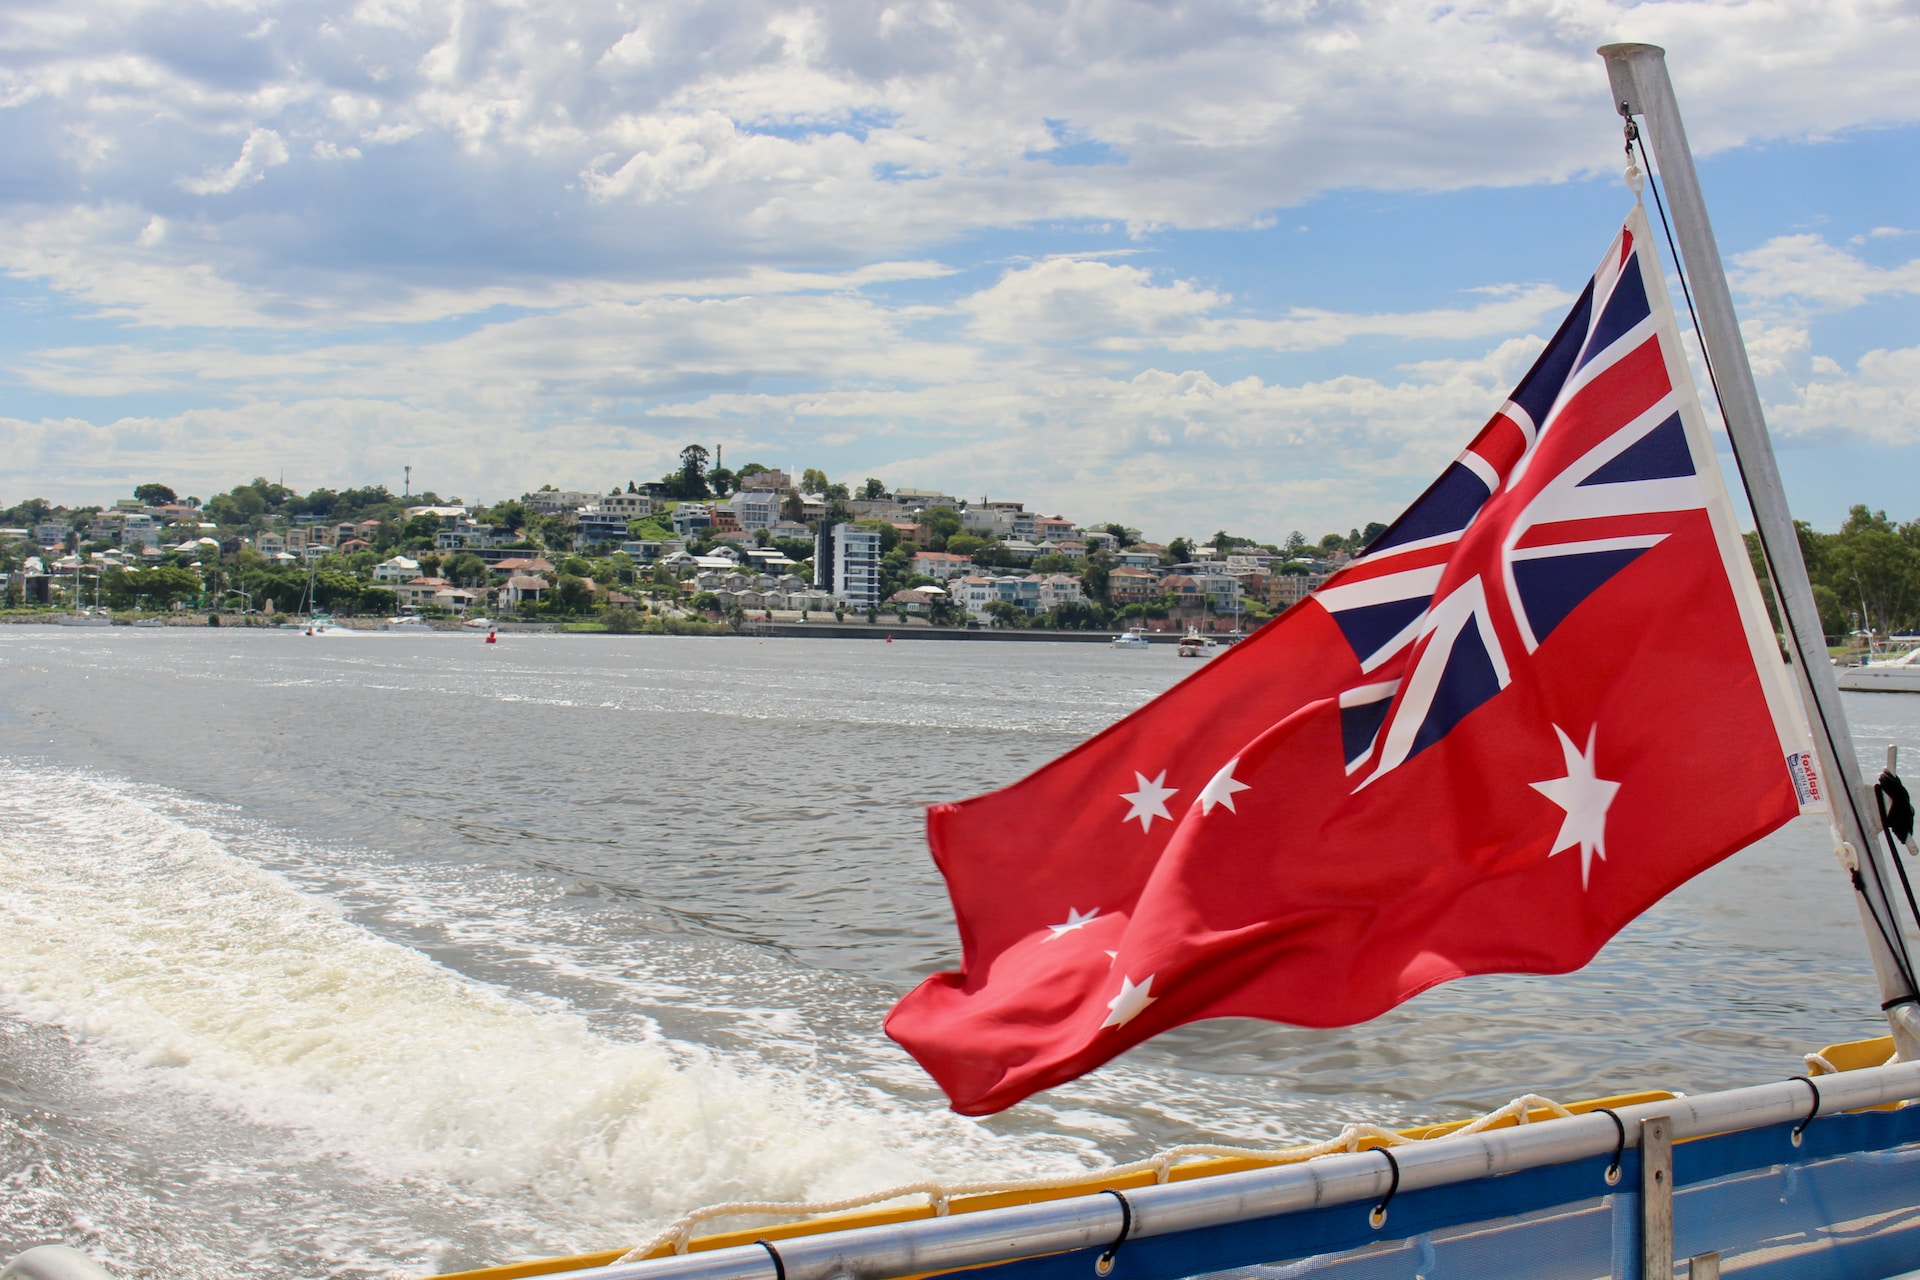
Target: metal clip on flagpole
[{"x": 1641, "y": 87}]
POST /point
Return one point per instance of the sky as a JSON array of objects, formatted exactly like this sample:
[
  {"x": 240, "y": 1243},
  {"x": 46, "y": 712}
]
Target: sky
[{"x": 1259, "y": 265}]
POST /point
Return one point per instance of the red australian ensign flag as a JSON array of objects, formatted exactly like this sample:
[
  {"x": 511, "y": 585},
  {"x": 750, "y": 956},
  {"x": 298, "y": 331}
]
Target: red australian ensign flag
[{"x": 1544, "y": 698}]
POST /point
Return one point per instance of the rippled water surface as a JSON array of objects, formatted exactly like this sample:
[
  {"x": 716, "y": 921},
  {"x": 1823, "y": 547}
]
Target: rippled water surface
[{"x": 409, "y": 953}]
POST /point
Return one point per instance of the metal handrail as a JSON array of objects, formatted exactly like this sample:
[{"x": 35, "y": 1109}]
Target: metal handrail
[{"x": 1085, "y": 1222}]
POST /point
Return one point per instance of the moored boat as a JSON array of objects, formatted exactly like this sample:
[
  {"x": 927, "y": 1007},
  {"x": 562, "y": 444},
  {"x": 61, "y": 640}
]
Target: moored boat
[
  {"x": 1133, "y": 638},
  {"x": 1884, "y": 675}
]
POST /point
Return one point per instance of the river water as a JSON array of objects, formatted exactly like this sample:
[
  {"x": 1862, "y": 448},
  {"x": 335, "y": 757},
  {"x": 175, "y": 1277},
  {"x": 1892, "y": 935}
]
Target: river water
[{"x": 407, "y": 953}]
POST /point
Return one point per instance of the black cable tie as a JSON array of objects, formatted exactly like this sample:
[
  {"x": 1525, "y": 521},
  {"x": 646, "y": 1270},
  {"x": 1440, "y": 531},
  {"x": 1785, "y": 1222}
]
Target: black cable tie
[
  {"x": 1379, "y": 1215},
  {"x": 1103, "y": 1265},
  {"x": 1814, "y": 1110},
  {"x": 1897, "y": 1001},
  {"x": 1619, "y": 1143},
  {"x": 779, "y": 1267}
]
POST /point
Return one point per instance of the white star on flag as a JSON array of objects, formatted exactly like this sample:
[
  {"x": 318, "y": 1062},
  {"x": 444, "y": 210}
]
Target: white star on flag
[
  {"x": 1150, "y": 801},
  {"x": 1221, "y": 788},
  {"x": 1130, "y": 1003},
  {"x": 1075, "y": 920},
  {"x": 1585, "y": 796}
]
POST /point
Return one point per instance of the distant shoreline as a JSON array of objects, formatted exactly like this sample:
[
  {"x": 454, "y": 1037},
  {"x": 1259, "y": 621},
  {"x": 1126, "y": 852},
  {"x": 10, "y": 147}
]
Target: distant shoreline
[{"x": 761, "y": 631}]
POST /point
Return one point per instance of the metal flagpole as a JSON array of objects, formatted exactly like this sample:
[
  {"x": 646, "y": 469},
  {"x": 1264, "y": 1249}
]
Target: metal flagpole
[{"x": 1638, "y": 74}]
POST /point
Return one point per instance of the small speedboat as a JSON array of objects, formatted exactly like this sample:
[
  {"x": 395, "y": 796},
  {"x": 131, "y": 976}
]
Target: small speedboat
[
  {"x": 410, "y": 622},
  {"x": 1135, "y": 638},
  {"x": 478, "y": 624}
]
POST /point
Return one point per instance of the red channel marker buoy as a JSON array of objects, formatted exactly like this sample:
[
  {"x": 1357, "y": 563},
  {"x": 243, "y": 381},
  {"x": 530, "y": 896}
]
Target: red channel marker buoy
[{"x": 491, "y": 639}]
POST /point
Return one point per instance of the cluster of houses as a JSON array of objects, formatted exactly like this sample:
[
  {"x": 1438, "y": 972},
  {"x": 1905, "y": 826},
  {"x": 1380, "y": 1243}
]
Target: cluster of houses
[{"x": 745, "y": 564}]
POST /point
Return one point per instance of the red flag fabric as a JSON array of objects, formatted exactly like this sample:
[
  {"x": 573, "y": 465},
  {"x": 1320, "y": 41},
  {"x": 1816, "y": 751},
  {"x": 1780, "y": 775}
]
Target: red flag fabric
[{"x": 1543, "y": 699}]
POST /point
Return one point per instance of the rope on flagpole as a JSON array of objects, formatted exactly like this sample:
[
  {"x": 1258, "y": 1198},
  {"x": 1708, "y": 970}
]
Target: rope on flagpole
[{"x": 677, "y": 1235}]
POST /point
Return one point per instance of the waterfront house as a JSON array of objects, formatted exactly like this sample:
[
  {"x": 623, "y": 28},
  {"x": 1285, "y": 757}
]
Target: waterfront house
[
  {"x": 522, "y": 588},
  {"x": 939, "y": 564},
  {"x": 420, "y": 591},
  {"x": 396, "y": 569},
  {"x": 1128, "y": 585}
]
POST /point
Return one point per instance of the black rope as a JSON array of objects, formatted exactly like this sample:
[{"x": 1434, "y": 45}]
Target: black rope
[
  {"x": 779, "y": 1267},
  {"x": 1103, "y": 1264},
  {"x": 1894, "y": 939},
  {"x": 1887, "y": 828},
  {"x": 1379, "y": 1215},
  {"x": 1619, "y": 1143},
  {"x": 1706, "y": 358},
  {"x": 1814, "y": 1110}
]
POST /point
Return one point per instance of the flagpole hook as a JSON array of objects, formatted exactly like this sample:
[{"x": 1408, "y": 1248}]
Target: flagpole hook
[
  {"x": 1619, "y": 1147},
  {"x": 1799, "y": 1130},
  {"x": 1378, "y": 1218},
  {"x": 1103, "y": 1265}
]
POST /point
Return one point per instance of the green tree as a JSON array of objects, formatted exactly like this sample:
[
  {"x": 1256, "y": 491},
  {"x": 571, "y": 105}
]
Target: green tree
[
  {"x": 572, "y": 595},
  {"x": 792, "y": 508},
  {"x": 873, "y": 490},
  {"x": 943, "y": 522},
  {"x": 722, "y": 481},
  {"x": 965, "y": 544},
  {"x": 693, "y": 472},
  {"x": 813, "y": 480},
  {"x": 155, "y": 495},
  {"x": 1179, "y": 551},
  {"x": 464, "y": 569},
  {"x": 705, "y": 602},
  {"x": 1006, "y": 615}
]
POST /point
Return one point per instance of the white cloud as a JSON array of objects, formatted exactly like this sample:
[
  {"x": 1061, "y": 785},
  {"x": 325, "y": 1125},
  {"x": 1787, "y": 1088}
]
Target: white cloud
[
  {"x": 629, "y": 222},
  {"x": 262, "y": 150},
  {"x": 1806, "y": 270}
]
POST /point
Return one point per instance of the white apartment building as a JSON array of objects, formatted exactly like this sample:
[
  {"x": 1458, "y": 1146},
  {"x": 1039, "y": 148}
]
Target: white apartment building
[{"x": 856, "y": 566}]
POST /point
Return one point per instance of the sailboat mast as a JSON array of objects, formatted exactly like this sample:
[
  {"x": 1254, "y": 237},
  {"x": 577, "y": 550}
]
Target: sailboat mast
[{"x": 1641, "y": 87}]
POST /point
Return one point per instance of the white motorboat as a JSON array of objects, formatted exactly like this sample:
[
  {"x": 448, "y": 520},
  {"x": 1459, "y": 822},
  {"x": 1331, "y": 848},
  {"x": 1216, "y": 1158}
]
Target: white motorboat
[
  {"x": 86, "y": 618},
  {"x": 478, "y": 624},
  {"x": 408, "y": 622},
  {"x": 1135, "y": 638},
  {"x": 1886, "y": 675},
  {"x": 1195, "y": 645}
]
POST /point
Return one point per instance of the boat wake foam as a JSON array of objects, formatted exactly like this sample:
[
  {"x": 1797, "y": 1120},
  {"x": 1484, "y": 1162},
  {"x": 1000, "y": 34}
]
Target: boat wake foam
[{"x": 187, "y": 967}]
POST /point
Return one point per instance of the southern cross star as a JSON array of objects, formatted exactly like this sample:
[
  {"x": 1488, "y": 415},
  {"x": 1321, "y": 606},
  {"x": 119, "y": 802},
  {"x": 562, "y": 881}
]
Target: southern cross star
[
  {"x": 1150, "y": 801},
  {"x": 1221, "y": 788},
  {"x": 1075, "y": 920},
  {"x": 1130, "y": 1003},
  {"x": 1585, "y": 795}
]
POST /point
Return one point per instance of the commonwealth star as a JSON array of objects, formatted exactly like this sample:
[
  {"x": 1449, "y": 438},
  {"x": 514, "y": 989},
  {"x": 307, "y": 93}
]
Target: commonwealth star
[
  {"x": 1150, "y": 801},
  {"x": 1585, "y": 795}
]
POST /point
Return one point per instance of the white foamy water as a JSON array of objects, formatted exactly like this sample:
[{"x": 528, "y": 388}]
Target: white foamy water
[
  {"x": 193, "y": 970},
  {"x": 420, "y": 954}
]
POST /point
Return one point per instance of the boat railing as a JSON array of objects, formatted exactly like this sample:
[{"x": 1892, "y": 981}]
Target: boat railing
[{"x": 1195, "y": 1213}]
